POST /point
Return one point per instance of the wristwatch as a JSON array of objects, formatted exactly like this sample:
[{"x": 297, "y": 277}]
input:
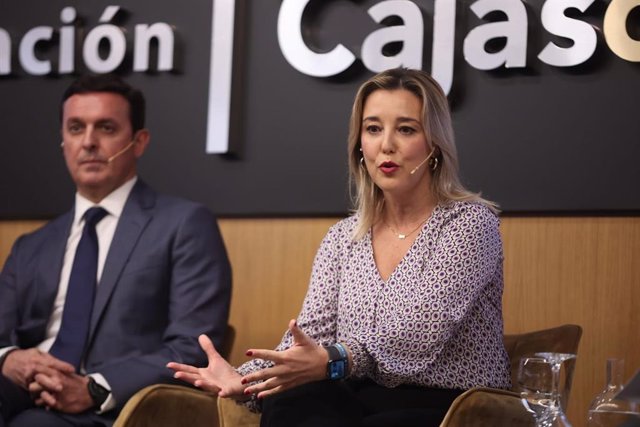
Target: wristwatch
[
  {"x": 98, "y": 393},
  {"x": 338, "y": 362}
]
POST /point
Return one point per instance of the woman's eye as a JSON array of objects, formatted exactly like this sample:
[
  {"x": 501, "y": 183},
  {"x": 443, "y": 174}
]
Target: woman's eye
[
  {"x": 373, "y": 128},
  {"x": 406, "y": 130}
]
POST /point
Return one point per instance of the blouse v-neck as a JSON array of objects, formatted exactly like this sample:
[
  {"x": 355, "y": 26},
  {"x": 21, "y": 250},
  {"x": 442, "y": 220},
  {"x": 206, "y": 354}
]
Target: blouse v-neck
[{"x": 408, "y": 254}]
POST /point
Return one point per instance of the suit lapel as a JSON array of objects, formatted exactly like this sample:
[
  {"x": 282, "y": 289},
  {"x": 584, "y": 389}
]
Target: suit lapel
[
  {"x": 136, "y": 214},
  {"x": 49, "y": 267}
]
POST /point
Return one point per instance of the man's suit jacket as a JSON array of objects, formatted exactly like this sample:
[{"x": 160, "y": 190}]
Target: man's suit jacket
[{"x": 166, "y": 280}]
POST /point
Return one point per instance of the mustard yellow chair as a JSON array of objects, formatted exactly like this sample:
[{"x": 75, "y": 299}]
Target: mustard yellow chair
[
  {"x": 476, "y": 407},
  {"x": 170, "y": 405}
]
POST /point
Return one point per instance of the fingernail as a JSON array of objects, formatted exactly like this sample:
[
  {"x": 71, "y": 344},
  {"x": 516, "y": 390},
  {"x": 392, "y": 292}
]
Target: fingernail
[
  {"x": 247, "y": 392},
  {"x": 249, "y": 353},
  {"x": 243, "y": 381}
]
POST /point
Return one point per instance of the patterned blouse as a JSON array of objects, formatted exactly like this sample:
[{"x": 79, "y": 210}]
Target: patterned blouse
[{"x": 436, "y": 321}]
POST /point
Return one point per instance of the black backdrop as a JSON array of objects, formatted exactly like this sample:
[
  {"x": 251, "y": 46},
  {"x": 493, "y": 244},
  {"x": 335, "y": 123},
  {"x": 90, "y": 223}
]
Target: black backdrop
[{"x": 536, "y": 140}]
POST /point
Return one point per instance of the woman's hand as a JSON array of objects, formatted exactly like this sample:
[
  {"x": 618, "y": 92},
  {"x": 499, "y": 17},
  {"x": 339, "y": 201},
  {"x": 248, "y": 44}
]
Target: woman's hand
[
  {"x": 305, "y": 361},
  {"x": 219, "y": 377}
]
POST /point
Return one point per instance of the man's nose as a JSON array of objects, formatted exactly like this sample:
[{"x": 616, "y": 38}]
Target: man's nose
[{"x": 89, "y": 139}]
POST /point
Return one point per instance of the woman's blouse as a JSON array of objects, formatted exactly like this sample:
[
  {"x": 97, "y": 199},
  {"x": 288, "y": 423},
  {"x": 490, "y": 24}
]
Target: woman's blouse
[{"x": 436, "y": 321}]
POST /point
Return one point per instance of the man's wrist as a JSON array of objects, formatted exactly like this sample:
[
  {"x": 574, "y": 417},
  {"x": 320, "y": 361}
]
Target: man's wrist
[
  {"x": 98, "y": 393},
  {"x": 4, "y": 356}
]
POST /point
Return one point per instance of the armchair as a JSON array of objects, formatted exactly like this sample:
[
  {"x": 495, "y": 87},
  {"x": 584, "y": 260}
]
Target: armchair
[
  {"x": 482, "y": 406},
  {"x": 173, "y": 405}
]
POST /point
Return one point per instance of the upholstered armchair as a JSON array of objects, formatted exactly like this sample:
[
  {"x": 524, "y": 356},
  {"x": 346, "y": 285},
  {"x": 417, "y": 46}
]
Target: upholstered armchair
[
  {"x": 174, "y": 405},
  {"x": 165, "y": 405},
  {"x": 482, "y": 406}
]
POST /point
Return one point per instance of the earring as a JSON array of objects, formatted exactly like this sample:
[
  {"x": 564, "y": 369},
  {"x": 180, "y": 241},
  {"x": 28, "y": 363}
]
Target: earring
[
  {"x": 433, "y": 163},
  {"x": 62, "y": 144},
  {"x": 361, "y": 161}
]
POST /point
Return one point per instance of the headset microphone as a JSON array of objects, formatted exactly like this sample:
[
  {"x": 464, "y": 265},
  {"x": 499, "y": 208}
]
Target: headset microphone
[
  {"x": 112, "y": 158},
  {"x": 422, "y": 162}
]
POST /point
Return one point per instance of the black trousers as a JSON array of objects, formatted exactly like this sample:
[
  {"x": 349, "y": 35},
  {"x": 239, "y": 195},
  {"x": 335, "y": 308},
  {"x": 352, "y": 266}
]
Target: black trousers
[
  {"x": 17, "y": 410},
  {"x": 356, "y": 403}
]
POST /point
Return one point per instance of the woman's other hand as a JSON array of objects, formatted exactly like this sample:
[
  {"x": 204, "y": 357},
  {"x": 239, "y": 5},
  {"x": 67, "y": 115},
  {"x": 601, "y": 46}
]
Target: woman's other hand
[
  {"x": 305, "y": 361},
  {"x": 218, "y": 377}
]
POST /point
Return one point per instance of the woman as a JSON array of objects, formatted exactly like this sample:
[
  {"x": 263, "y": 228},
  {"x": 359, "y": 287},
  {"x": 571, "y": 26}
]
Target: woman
[{"x": 405, "y": 296}]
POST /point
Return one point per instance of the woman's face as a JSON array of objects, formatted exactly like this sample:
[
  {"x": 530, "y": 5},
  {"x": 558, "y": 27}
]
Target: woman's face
[{"x": 394, "y": 142}]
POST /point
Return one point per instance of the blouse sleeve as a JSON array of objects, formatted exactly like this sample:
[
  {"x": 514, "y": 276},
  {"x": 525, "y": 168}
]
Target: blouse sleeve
[{"x": 319, "y": 309}]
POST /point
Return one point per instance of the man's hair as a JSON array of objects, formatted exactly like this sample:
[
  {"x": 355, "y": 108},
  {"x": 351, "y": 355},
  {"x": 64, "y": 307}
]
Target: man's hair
[{"x": 112, "y": 84}]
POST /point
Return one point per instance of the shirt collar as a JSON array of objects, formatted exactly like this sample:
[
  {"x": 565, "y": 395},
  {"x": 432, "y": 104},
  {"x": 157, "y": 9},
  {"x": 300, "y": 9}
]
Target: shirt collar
[{"x": 113, "y": 203}]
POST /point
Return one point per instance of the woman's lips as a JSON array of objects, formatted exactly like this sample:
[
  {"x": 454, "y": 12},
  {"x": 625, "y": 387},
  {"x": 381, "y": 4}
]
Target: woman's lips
[{"x": 388, "y": 167}]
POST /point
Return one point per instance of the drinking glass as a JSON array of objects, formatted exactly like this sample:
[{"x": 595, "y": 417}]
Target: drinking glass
[
  {"x": 539, "y": 383},
  {"x": 555, "y": 416},
  {"x": 534, "y": 384}
]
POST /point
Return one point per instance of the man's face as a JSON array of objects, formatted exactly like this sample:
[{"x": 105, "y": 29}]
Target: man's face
[{"x": 96, "y": 129}]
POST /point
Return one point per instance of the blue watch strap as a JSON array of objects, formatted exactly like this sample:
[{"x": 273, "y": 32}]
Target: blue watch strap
[{"x": 337, "y": 365}]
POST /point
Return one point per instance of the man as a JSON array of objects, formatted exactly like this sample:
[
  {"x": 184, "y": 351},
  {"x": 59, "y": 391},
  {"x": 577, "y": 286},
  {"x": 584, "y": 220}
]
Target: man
[{"x": 158, "y": 265}]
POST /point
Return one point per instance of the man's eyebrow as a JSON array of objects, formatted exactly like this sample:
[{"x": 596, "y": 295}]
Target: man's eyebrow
[{"x": 106, "y": 120}]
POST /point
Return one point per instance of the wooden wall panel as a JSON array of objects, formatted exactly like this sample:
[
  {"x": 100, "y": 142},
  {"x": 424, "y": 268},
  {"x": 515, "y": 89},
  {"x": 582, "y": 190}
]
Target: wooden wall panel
[
  {"x": 577, "y": 270},
  {"x": 557, "y": 270}
]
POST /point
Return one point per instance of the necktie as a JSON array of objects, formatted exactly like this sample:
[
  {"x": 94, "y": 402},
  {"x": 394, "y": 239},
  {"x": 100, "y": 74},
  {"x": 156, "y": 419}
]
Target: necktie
[{"x": 76, "y": 317}]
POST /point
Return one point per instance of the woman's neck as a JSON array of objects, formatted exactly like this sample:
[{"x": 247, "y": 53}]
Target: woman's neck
[{"x": 402, "y": 213}]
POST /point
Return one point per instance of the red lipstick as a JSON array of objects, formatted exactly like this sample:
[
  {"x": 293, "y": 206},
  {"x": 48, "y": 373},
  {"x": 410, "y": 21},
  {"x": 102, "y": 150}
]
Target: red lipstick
[{"x": 388, "y": 167}]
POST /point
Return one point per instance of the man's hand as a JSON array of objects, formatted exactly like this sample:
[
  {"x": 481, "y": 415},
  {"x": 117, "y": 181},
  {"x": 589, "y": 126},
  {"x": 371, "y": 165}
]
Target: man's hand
[
  {"x": 63, "y": 392},
  {"x": 21, "y": 366}
]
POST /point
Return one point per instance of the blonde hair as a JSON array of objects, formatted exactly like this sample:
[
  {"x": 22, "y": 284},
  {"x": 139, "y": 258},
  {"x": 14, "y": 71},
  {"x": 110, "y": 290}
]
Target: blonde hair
[{"x": 445, "y": 183}]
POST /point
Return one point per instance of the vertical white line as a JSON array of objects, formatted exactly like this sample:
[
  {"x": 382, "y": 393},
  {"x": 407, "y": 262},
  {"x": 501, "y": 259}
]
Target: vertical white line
[
  {"x": 220, "y": 74},
  {"x": 442, "y": 52}
]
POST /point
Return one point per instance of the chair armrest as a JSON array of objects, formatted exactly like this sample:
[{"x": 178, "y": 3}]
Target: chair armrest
[
  {"x": 231, "y": 414},
  {"x": 487, "y": 407},
  {"x": 169, "y": 405}
]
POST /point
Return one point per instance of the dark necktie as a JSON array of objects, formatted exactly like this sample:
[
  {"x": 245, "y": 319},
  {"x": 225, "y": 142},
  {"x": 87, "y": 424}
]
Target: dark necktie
[{"x": 76, "y": 316}]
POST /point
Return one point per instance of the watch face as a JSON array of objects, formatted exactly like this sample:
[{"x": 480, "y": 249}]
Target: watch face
[
  {"x": 336, "y": 369},
  {"x": 98, "y": 393}
]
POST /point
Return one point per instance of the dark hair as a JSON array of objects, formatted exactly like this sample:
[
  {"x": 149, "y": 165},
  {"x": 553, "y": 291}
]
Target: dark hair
[{"x": 114, "y": 84}]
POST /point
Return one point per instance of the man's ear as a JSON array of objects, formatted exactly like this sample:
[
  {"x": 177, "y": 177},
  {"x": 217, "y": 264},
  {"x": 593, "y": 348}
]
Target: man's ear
[{"x": 140, "y": 142}]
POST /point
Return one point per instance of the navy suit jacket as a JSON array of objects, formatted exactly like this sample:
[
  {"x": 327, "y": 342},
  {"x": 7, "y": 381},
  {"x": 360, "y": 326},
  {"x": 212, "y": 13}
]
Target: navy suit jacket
[{"x": 166, "y": 280}]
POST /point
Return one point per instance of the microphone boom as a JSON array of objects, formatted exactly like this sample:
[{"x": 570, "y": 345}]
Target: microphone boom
[{"x": 115, "y": 156}]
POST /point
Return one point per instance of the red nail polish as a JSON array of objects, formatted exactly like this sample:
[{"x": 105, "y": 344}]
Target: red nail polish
[
  {"x": 243, "y": 381},
  {"x": 247, "y": 392},
  {"x": 249, "y": 353}
]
